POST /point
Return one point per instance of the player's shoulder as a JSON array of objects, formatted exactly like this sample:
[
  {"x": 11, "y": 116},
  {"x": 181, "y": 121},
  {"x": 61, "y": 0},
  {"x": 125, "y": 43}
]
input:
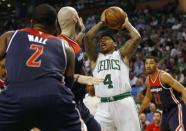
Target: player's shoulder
[
  {"x": 5, "y": 37},
  {"x": 7, "y": 33},
  {"x": 165, "y": 77},
  {"x": 69, "y": 42},
  {"x": 164, "y": 74}
]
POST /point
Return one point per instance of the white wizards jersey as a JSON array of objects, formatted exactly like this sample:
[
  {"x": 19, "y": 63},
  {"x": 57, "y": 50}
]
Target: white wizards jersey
[{"x": 115, "y": 72}]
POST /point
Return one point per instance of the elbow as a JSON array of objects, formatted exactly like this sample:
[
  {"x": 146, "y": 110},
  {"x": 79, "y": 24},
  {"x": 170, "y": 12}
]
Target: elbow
[{"x": 138, "y": 38}]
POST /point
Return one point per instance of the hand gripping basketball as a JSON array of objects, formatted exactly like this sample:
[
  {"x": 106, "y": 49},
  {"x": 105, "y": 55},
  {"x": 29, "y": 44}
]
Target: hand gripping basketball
[{"x": 114, "y": 17}]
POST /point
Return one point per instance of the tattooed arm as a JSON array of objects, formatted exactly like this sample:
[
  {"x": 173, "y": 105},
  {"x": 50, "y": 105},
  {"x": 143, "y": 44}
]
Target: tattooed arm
[{"x": 129, "y": 48}]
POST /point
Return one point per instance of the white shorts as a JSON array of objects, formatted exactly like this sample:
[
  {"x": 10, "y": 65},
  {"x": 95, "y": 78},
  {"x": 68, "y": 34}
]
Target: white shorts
[{"x": 118, "y": 115}]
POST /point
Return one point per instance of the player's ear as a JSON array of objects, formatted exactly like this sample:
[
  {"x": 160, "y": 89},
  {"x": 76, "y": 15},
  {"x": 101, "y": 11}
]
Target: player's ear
[{"x": 115, "y": 45}]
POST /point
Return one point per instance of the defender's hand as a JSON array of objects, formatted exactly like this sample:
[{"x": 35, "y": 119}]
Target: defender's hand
[
  {"x": 89, "y": 80},
  {"x": 81, "y": 24}
]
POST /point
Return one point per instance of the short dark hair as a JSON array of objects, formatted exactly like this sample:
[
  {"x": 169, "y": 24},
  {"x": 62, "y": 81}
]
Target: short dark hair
[
  {"x": 152, "y": 57},
  {"x": 44, "y": 14},
  {"x": 108, "y": 32}
]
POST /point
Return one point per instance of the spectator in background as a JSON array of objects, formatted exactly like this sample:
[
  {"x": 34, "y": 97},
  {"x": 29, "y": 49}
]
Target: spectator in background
[
  {"x": 139, "y": 98},
  {"x": 152, "y": 108},
  {"x": 155, "y": 125},
  {"x": 144, "y": 121},
  {"x": 138, "y": 65},
  {"x": 133, "y": 79},
  {"x": 138, "y": 87}
]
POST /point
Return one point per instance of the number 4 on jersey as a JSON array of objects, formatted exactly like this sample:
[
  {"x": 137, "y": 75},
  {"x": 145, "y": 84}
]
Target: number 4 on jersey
[{"x": 108, "y": 81}]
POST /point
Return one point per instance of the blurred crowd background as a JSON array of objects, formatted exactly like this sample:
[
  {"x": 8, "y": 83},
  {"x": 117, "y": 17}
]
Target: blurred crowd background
[{"x": 161, "y": 23}]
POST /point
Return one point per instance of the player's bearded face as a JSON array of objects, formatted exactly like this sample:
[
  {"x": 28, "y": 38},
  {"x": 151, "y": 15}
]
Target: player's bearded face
[
  {"x": 150, "y": 66},
  {"x": 106, "y": 44}
]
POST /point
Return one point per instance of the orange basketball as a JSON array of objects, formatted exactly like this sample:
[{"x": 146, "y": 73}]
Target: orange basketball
[{"x": 114, "y": 17}]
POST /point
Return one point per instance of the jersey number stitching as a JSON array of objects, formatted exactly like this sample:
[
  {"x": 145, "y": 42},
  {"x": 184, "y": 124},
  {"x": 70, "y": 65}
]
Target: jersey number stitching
[
  {"x": 31, "y": 62},
  {"x": 108, "y": 81}
]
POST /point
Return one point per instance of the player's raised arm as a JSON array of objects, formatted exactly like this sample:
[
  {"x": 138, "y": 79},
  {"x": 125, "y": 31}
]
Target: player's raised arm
[
  {"x": 146, "y": 100},
  {"x": 131, "y": 45},
  {"x": 166, "y": 78},
  {"x": 90, "y": 47},
  {"x": 81, "y": 34},
  {"x": 4, "y": 40}
]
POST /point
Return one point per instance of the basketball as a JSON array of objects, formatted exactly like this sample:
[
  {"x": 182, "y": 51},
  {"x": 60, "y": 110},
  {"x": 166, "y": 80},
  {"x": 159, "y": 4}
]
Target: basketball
[{"x": 114, "y": 17}]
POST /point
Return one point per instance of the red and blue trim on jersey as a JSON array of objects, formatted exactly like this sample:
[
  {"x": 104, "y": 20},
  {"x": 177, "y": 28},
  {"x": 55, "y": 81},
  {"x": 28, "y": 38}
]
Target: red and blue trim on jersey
[
  {"x": 71, "y": 43},
  {"x": 37, "y": 33},
  {"x": 166, "y": 97}
]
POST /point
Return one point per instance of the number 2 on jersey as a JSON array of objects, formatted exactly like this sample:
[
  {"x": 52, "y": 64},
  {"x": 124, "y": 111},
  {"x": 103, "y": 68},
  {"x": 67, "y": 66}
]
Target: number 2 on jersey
[
  {"x": 32, "y": 60},
  {"x": 108, "y": 81}
]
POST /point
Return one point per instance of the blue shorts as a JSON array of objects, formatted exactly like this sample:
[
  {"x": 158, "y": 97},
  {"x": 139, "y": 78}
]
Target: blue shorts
[
  {"x": 45, "y": 104},
  {"x": 174, "y": 119}
]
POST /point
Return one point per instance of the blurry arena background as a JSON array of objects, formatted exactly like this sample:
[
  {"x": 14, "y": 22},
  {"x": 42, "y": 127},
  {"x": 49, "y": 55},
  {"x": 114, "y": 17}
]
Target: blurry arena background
[{"x": 162, "y": 25}]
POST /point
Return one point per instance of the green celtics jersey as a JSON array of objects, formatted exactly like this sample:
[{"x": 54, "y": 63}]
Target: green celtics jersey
[{"x": 115, "y": 72}]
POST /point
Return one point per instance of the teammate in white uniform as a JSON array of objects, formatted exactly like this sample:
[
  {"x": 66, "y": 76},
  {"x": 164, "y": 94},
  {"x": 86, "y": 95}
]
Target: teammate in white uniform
[{"x": 117, "y": 110}]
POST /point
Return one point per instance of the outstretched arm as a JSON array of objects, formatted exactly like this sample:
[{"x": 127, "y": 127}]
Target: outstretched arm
[
  {"x": 166, "y": 78},
  {"x": 90, "y": 47},
  {"x": 87, "y": 80},
  {"x": 131, "y": 45},
  {"x": 146, "y": 100}
]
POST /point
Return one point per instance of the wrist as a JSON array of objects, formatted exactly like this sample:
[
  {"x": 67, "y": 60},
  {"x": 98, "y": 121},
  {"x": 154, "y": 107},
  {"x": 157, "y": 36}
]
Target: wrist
[
  {"x": 128, "y": 25},
  {"x": 77, "y": 78},
  {"x": 101, "y": 23}
]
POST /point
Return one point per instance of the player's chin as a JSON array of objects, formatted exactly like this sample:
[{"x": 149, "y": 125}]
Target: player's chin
[
  {"x": 148, "y": 71},
  {"x": 104, "y": 51}
]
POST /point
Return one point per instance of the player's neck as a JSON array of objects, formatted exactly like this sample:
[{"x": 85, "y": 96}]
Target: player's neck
[
  {"x": 154, "y": 75},
  {"x": 42, "y": 28},
  {"x": 69, "y": 32}
]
